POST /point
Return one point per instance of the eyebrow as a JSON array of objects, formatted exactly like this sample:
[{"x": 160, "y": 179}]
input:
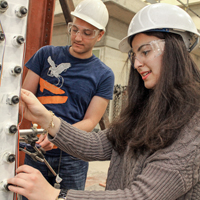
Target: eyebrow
[
  {"x": 142, "y": 46},
  {"x": 74, "y": 25},
  {"x": 84, "y": 28}
]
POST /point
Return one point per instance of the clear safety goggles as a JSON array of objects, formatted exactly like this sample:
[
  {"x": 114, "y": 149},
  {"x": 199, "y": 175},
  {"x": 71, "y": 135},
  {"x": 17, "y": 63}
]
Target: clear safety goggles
[
  {"x": 147, "y": 52},
  {"x": 85, "y": 32}
]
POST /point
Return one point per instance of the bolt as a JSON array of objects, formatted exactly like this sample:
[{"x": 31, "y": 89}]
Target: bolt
[
  {"x": 2, "y": 36},
  {"x": 3, "y": 4},
  {"x": 20, "y": 40},
  {"x": 13, "y": 129},
  {"x": 23, "y": 10},
  {"x": 15, "y": 99},
  {"x": 11, "y": 158},
  {"x": 17, "y": 70},
  {"x": 6, "y": 187}
]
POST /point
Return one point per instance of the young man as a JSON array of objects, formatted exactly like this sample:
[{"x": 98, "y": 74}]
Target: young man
[{"x": 75, "y": 85}]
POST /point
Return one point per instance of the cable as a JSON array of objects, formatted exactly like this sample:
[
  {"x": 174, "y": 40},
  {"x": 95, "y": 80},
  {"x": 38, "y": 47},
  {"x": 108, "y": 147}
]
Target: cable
[{"x": 2, "y": 61}]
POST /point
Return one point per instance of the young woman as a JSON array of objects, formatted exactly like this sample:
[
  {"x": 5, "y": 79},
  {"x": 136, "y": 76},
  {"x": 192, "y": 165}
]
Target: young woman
[{"x": 154, "y": 146}]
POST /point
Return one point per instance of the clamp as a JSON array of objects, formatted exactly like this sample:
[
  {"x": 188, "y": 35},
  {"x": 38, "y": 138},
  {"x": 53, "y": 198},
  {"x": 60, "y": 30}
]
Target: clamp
[{"x": 30, "y": 138}]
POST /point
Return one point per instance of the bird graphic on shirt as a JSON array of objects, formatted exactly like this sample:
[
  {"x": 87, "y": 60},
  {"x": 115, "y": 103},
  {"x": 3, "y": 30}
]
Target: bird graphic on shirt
[{"x": 55, "y": 71}]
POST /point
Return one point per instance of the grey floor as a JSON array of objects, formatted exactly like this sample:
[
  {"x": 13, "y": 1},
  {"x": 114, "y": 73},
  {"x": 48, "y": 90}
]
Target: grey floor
[{"x": 97, "y": 174}]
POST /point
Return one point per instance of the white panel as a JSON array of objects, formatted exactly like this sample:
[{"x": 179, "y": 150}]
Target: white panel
[{"x": 11, "y": 55}]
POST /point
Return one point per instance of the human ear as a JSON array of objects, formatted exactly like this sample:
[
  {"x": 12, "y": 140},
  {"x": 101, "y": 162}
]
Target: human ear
[{"x": 100, "y": 35}]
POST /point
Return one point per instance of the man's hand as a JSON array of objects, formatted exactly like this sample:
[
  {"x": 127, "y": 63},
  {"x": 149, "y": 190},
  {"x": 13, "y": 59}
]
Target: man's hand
[{"x": 44, "y": 142}]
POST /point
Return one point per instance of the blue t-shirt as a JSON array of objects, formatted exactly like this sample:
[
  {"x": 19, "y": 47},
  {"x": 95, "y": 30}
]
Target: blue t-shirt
[{"x": 67, "y": 84}]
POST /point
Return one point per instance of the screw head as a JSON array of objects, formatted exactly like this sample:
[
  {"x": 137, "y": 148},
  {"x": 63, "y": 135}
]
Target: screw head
[
  {"x": 20, "y": 40},
  {"x": 2, "y": 36},
  {"x": 13, "y": 129},
  {"x": 11, "y": 158},
  {"x": 23, "y": 10},
  {"x": 15, "y": 99},
  {"x": 17, "y": 70},
  {"x": 3, "y": 4}
]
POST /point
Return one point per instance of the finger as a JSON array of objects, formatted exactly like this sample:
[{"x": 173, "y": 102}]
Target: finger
[
  {"x": 41, "y": 138},
  {"x": 18, "y": 182},
  {"x": 24, "y": 93},
  {"x": 26, "y": 168},
  {"x": 27, "y": 96},
  {"x": 18, "y": 185},
  {"x": 17, "y": 190},
  {"x": 45, "y": 142},
  {"x": 48, "y": 147},
  {"x": 23, "y": 176}
]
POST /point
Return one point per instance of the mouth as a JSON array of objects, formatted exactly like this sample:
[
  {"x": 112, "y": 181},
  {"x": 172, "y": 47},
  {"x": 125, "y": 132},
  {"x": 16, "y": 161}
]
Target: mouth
[
  {"x": 78, "y": 44},
  {"x": 145, "y": 75}
]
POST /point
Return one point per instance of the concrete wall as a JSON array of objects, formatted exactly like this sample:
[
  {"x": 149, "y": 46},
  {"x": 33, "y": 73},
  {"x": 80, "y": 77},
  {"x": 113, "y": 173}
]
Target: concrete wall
[
  {"x": 196, "y": 59},
  {"x": 60, "y": 36},
  {"x": 196, "y": 9}
]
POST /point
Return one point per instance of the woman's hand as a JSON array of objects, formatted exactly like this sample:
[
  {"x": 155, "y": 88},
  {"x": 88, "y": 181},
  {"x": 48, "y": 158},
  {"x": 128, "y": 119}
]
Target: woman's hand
[
  {"x": 34, "y": 111},
  {"x": 30, "y": 183},
  {"x": 31, "y": 107}
]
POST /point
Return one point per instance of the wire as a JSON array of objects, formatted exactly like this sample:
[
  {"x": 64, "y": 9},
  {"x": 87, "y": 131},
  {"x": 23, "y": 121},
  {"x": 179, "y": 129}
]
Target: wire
[
  {"x": 19, "y": 124},
  {"x": 2, "y": 61}
]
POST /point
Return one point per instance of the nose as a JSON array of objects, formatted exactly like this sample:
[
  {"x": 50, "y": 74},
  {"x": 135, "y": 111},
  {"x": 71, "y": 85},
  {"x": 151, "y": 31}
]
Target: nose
[
  {"x": 137, "y": 63},
  {"x": 78, "y": 35}
]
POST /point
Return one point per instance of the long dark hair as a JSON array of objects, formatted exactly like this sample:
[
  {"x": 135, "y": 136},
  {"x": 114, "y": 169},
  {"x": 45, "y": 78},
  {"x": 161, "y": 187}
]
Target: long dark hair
[{"x": 153, "y": 119}]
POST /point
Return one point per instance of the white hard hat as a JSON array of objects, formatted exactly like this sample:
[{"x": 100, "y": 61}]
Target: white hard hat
[
  {"x": 92, "y": 11},
  {"x": 164, "y": 18}
]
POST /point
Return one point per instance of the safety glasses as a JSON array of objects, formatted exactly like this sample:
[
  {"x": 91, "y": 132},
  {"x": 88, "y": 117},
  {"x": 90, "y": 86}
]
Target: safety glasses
[
  {"x": 85, "y": 32},
  {"x": 147, "y": 52}
]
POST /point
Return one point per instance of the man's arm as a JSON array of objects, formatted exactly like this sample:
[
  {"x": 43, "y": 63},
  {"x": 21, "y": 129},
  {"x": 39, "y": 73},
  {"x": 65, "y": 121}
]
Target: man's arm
[
  {"x": 93, "y": 114},
  {"x": 31, "y": 81}
]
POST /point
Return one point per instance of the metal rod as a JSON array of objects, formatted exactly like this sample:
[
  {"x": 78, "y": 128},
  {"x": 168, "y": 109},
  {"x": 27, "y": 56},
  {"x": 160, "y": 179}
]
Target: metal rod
[
  {"x": 67, "y": 6},
  {"x": 188, "y": 8},
  {"x": 50, "y": 168},
  {"x": 30, "y": 154},
  {"x": 45, "y": 161},
  {"x": 30, "y": 131}
]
